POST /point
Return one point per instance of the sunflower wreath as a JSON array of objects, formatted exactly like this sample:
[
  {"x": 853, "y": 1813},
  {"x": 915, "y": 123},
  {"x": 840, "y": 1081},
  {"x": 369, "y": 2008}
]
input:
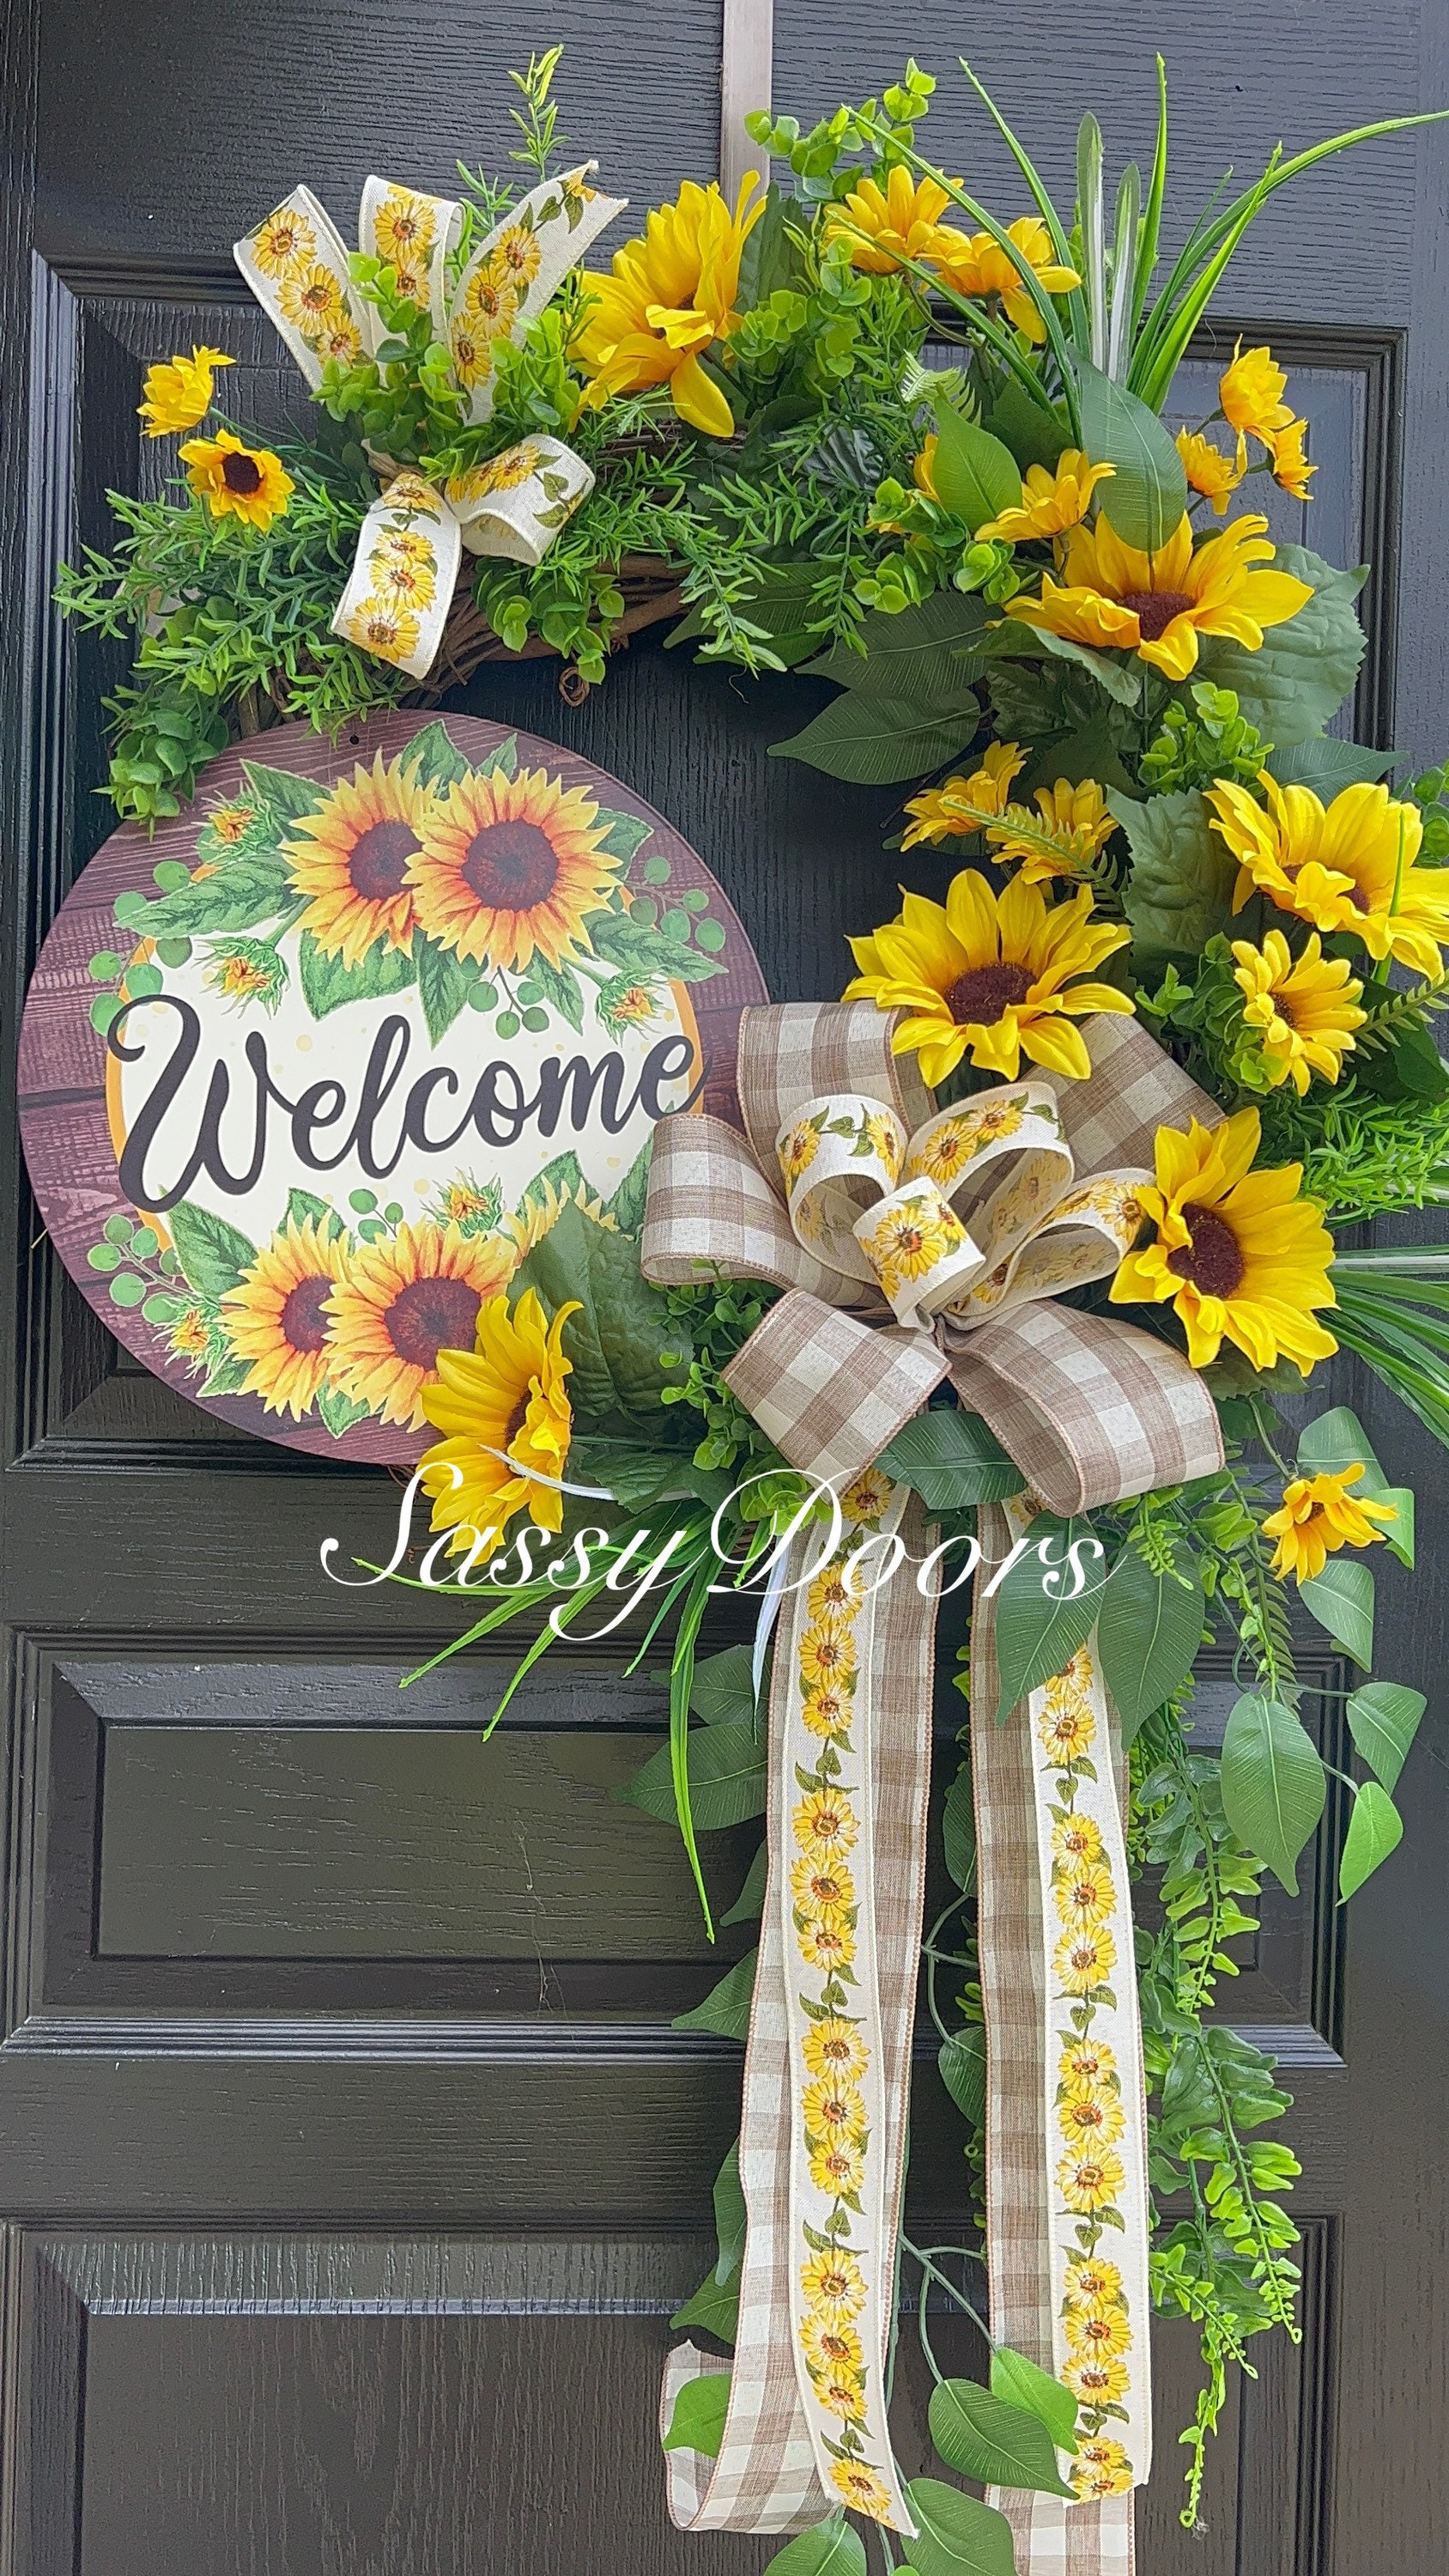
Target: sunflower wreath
[{"x": 1098, "y": 1123}]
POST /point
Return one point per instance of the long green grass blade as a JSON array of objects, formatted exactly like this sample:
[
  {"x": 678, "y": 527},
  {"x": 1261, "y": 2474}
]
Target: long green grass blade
[
  {"x": 681, "y": 1686},
  {"x": 1129, "y": 198},
  {"x": 1076, "y": 301},
  {"x": 1094, "y": 245},
  {"x": 1151, "y": 232}
]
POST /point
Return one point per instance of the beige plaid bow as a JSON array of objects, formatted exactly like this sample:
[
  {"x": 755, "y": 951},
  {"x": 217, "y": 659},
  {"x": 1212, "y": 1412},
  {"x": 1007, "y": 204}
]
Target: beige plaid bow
[{"x": 1091, "y": 1409}]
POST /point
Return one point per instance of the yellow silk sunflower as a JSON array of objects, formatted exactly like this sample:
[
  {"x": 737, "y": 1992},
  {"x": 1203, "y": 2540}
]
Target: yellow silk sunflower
[
  {"x": 975, "y": 264},
  {"x": 885, "y": 226},
  {"x": 249, "y": 482},
  {"x": 1241, "y": 1254},
  {"x": 1319, "y": 1516},
  {"x": 1051, "y": 501},
  {"x": 1349, "y": 866},
  {"x": 1290, "y": 465},
  {"x": 992, "y": 974},
  {"x": 1071, "y": 825},
  {"x": 1250, "y": 393},
  {"x": 276, "y": 1318},
  {"x": 511, "y": 868},
  {"x": 351, "y": 859},
  {"x": 506, "y": 1411},
  {"x": 963, "y": 804},
  {"x": 668, "y": 298},
  {"x": 1157, "y": 605},
  {"x": 178, "y": 395},
  {"x": 1304, "y": 1009},
  {"x": 1208, "y": 471}
]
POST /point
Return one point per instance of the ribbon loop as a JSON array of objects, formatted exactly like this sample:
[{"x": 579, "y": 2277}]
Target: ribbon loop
[{"x": 829, "y": 1390}]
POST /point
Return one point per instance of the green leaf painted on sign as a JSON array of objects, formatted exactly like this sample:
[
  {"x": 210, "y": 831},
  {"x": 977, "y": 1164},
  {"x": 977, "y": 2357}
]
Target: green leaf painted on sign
[
  {"x": 328, "y": 983},
  {"x": 443, "y": 982},
  {"x": 213, "y": 1254}
]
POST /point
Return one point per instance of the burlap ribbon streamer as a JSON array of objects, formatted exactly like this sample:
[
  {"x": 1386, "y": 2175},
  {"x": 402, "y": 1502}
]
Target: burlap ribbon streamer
[
  {"x": 1093, "y": 1410},
  {"x": 396, "y": 600}
]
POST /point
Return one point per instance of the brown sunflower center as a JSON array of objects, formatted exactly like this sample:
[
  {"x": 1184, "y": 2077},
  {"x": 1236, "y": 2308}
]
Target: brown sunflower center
[
  {"x": 984, "y": 992},
  {"x": 516, "y": 1421},
  {"x": 241, "y": 473},
  {"x": 1213, "y": 1258},
  {"x": 1155, "y": 610},
  {"x": 510, "y": 866},
  {"x": 303, "y": 1321},
  {"x": 379, "y": 863},
  {"x": 432, "y": 1315}
]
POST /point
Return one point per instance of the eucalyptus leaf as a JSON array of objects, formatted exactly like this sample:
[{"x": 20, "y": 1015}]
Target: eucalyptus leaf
[
  {"x": 1024, "y": 2383},
  {"x": 726, "y": 1779},
  {"x": 1180, "y": 892},
  {"x": 726, "y": 2008},
  {"x": 956, "y": 2535},
  {"x": 698, "y": 2420},
  {"x": 1383, "y": 1719},
  {"x": 1374, "y": 1830},
  {"x": 1147, "y": 496},
  {"x": 1303, "y": 670},
  {"x": 875, "y": 742},
  {"x": 1341, "y": 1599},
  {"x": 1148, "y": 1633},
  {"x": 982, "y": 2437},
  {"x": 1039, "y": 1630},
  {"x": 1273, "y": 1783}
]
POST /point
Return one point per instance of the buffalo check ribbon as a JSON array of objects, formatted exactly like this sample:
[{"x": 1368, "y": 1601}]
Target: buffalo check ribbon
[
  {"x": 1093, "y": 1411},
  {"x": 512, "y": 506}
]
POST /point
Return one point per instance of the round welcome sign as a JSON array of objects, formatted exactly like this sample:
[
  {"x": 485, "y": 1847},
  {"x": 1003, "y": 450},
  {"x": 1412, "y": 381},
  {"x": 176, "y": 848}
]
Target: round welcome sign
[{"x": 305, "y": 1077}]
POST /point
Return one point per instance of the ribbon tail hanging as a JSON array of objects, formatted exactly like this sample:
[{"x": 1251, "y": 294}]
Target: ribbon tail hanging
[{"x": 400, "y": 588}]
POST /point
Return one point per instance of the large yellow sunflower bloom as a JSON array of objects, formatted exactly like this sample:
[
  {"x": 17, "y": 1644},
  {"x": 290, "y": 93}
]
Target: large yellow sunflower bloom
[
  {"x": 502, "y": 1401},
  {"x": 178, "y": 395},
  {"x": 1157, "y": 605},
  {"x": 885, "y": 226},
  {"x": 512, "y": 867},
  {"x": 250, "y": 482},
  {"x": 276, "y": 1317},
  {"x": 1349, "y": 866},
  {"x": 1319, "y": 1516},
  {"x": 351, "y": 859},
  {"x": 1241, "y": 1255},
  {"x": 1304, "y": 1009},
  {"x": 990, "y": 973},
  {"x": 669, "y": 296},
  {"x": 1051, "y": 501},
  {"x": 975, "y": 264}
]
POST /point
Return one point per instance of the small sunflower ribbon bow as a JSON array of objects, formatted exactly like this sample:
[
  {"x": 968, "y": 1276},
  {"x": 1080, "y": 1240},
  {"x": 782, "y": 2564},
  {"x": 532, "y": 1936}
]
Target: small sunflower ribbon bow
[
  {"x": 841, "y": 1140},
  {"x": 975, "y": 1213},
  {"x": 396, "y": 601}
]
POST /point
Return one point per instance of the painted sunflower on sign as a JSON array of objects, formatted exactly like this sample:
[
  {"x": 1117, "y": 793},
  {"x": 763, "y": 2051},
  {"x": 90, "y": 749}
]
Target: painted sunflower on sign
[
  {"x": 277, "y": 1318},
  {"x": 403, "y": 1300},
  {"x": 506, "y": 1410},
  {"x": 351, "y": 859},
  {"x": 512, "y": 867}
]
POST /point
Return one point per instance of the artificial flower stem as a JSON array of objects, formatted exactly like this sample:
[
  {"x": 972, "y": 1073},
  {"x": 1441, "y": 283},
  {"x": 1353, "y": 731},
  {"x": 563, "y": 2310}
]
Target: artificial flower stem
[{"x": 681, "y": 1683}]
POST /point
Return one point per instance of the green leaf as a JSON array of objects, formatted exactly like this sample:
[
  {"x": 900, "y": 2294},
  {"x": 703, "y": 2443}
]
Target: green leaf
[
  {"x": 1337, "y": 1441},
  {"x": 1374, "y": 1830},
  {"x": 726, "y": 1779},
  {"x": 628, "y": 1203},
  {"x": 1273, "y": 1783},
  {"x": 443, "y": 982},
  {"x": 614, "y": 1341},
  {"x": 698, "y": 2420},
  {"x": 981, "y": 2437},
  {"x": 724, "y": 1689},
  {"x": 1302, "y": 672},
  {"x": 1147, "y": 1636},
  {"x": 974, "y": 475},
  {"x": 327, "y": 983},
  {"x": 639, "y": 948},
  {"x": 1037, "y": 1632},
  {"x": 1383, "y": 1719},
  {"x": 1024, "y": 2383},
  {"x": 1325, "y": 764},
  {"x": 1120, "y": 679},
  {"x": 288, "y": 797},
  {"x": 433, "y": 758},
  {"x": 927, "y": 654},
  {"x": 955, "y": 2532},
  {"x": 715, "y": 2307},
  {"x": 213, "y": 1255},
  {"x": 1180, "y": 892},
  {"x": 339, "y": 1412},
  {"x": 302, "y": 1205},
  {"x": 726, "y": 2008},
  {"x": 958, "y": 1827},
  {"x": 730, "y": 2216},
  {"x": 750, "y": 1902},
  {"x": 1147, "y": 496},
  {"x": 961, "y": 2065},
  {"x": 227, "y": 1377},
  {"x": 873, "y": 742},
  {"x": 832, "y": 2549},
  {"x": 1341, "y": 1599},
  {"x": 559, "y": 986},
  {"x": 951, "y": 1459},
  {"x": 770, "y": 259},
  {"x": 251, "y": 888},
  {"x": 623, "y": 833},
  {"x": 1036, "y": 435}
]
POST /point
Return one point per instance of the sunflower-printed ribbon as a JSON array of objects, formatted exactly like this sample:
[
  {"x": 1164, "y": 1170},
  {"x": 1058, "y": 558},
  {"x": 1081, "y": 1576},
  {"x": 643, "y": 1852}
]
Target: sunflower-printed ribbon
[
  {"x": 973, "y": 1214},
  {"x": 396, "y": 602}
]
